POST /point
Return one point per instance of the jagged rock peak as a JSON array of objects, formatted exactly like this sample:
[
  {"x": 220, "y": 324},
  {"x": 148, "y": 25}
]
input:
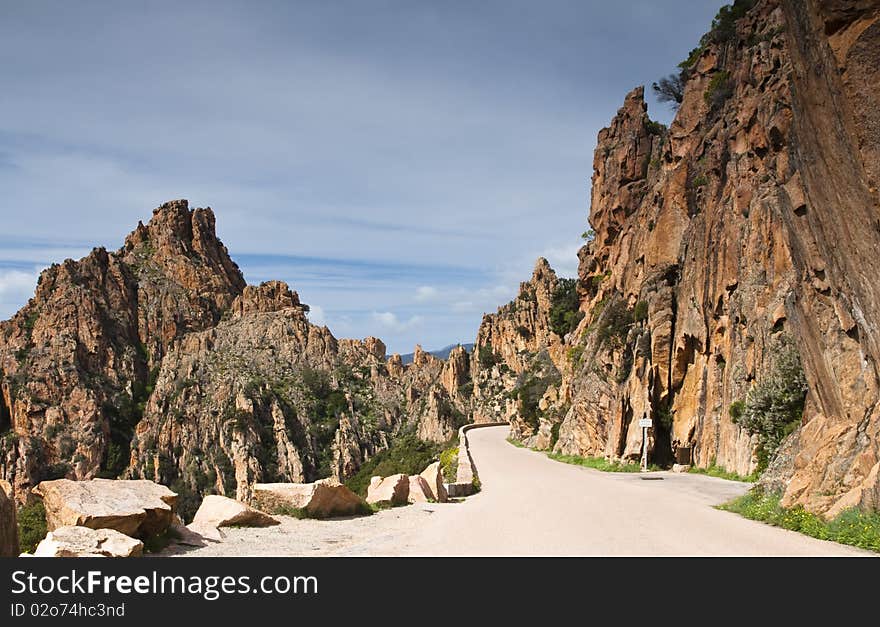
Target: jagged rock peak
[
  {"x": 176, "y": 230},
  {"x": 542, "y": 271},
  {"x": 267, "y": 297}
]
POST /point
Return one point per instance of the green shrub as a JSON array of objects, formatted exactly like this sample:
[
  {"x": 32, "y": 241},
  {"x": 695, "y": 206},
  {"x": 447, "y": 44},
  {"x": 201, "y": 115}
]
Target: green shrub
[
  {"x": 31, "y": 526},
  {"x": 775, "y": 405},
  {"x": 408, "y": 455},
  {"x": 719, "y": 90},
  {"x": 640, "y": 313},
  {"x": 736, "y": 410},
  {"x": 565, "y": 314},
  {"x": 853, "y": 526},
  {"x": 449, "y": 464},
  {"x": 614, "y": 323},
  {"x": 487, "y": 357}
]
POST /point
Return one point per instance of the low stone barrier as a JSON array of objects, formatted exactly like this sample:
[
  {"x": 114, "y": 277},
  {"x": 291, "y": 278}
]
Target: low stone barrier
[{"x": 466, "y": 472}]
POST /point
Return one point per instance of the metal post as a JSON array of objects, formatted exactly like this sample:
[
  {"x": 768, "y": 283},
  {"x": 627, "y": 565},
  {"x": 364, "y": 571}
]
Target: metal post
[{"x": 644, "y": 449}]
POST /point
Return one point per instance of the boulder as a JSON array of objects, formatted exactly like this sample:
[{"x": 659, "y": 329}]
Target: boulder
[
  {"x": 8, "y": 523},
  {"x": 322, "y": 499},
  {"x": 219, "y": 511},
  {"x": 86, "y": 542},
  {"x": 433, "y": 475},
  {"x": 138, "y": 508},
  {"x": 205, "y": 531},
  {"x": 393, "y": 490},
  {"x": 419, "y": 491}
]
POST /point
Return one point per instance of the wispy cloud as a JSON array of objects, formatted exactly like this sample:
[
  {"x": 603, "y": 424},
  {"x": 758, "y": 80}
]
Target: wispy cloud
[
  {"x": 391, "y": 322},
  {"x": 393, "y": 147}
]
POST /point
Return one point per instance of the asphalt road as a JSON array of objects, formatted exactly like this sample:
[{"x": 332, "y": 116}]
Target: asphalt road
[{"x": 531, "y": 505}]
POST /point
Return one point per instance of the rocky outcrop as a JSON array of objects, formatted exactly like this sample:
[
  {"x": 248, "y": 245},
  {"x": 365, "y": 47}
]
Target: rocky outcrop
[
  {"x": 134, "y": 508},
  {"x": 87, "y": 542},
  {"x": 433, "y": 476},
  {"x": 322, "y": 499},
  {"x": 516, "y": 347},
  {"x": 8, "y": 524},
  {"x": 76, "y": 361},
  {"x": 157, "y": 362},
  {"x": 419, "y": 491},
  {"x": 393, "y": 490},
  {"x": 750, "y": 220},
  {"x": 219, "y": 511}
]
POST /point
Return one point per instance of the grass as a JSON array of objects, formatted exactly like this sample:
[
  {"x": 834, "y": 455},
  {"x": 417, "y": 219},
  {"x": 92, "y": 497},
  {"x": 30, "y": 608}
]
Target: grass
[
  {"x": 718, "y": 471},
  {"x": 408, "y": 455},
  {"x": 31, "y": 526},
  {"x": 596, "y": 463},
  {"x": 449, "y": 464},
  {"x": 853, "y": 526}
]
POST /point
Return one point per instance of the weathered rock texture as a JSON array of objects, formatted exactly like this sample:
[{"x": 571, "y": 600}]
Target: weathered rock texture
[
  {"x": 322, "y": 499},
  {"x": 87, "y": 542},
  {"x": 8, "y": 524},
  {"x": 219, "y": 511},
  {"x": 754, "y": 215},
  {"x": 393, "y": 490},
  {"x": 134, "y": 508},
  {"x": 157, "y": 361}
]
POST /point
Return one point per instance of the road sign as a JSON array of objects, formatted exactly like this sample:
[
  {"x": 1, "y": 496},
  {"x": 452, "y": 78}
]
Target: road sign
[{"x": 646, "y": 423}]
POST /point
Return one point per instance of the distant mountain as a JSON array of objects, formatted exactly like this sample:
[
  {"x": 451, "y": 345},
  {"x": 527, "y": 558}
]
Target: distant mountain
[{"x": 443, "y": 353}]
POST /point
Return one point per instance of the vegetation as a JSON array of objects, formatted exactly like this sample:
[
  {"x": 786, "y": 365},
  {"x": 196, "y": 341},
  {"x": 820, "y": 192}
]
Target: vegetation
[
  {"x": 774, "y": 407},
  {"x": 449, "y": 464},
  {"x": 718, "y": 471},
  {"x": 853, "y": 526},
  {"x": 158, "y": 542},
  {"x": 589, "y": 235},
  {"x": 670, "y": 89},
  {"x": 615, "y": 323},
  {"x": 531, "y": 386},
  {"x": 596, "y": 463},
  {"x": 565, "y": 314},
  {"x": 718, "y": 90},
  {"x": 487, "y": 357},
  {"x": 31, "y": 526},
  {"x": 408, "y": 455}
]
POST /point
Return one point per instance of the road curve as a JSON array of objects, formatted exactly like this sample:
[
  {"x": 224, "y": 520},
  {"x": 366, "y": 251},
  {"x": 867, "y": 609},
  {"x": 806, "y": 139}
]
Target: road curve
[{"x": 532, "y": 505}]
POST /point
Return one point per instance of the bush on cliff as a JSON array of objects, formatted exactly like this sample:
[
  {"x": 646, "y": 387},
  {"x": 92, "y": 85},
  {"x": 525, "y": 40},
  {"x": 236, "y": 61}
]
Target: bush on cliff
[
  {"x": 31, "y": 526},
  {"x": 774, "y": 406},
  {"x": 565, "y": 312},
  {"x": 408, "y": 455}
]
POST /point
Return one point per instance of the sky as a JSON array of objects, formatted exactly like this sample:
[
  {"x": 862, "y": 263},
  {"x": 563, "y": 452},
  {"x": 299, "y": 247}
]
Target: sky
[{"x": 401, "y": 164}]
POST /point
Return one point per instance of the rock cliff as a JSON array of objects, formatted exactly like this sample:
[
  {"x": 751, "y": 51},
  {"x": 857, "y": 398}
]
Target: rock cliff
[
  {"x": 749, "y": 225},
  {"x": 157, "y": 361}
]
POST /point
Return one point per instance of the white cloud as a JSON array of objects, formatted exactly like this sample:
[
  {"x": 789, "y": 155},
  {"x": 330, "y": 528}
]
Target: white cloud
[
  {"x": 316, "y": 315},
  {"x": 392, "y": 322},
  {"x": 426, "y": 293},
  {"x": 16, "y": 287}
]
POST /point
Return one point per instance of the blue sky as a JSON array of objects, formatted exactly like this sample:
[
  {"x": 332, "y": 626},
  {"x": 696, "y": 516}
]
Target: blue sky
[{"x": 401, "y": 164}]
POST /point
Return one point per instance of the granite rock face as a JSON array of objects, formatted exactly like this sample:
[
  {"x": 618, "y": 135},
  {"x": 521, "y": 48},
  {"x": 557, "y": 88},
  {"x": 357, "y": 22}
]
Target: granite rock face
[{"x": 752, "y": 218}]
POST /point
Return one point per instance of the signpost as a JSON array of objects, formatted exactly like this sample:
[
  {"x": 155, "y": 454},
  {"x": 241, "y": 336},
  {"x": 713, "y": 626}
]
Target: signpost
[{"x": 645, "y": 424}]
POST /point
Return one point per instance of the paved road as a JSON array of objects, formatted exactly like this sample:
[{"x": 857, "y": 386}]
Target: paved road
[{"x": 532, "y": 505}]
